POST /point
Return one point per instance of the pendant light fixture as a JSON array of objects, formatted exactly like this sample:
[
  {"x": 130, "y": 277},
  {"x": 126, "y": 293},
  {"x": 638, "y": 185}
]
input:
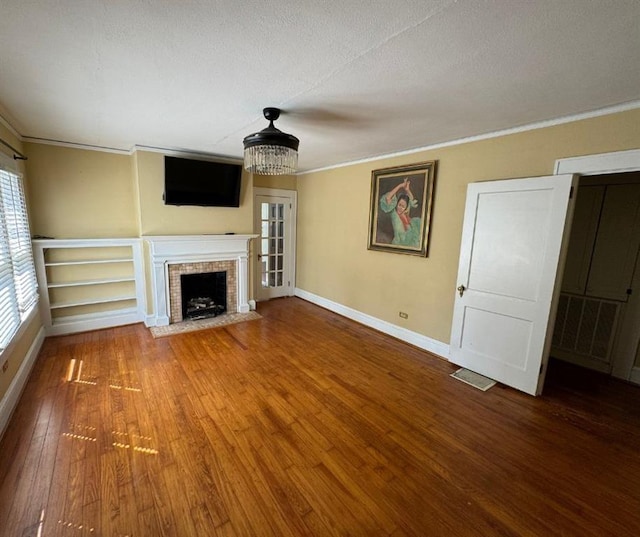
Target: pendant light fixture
[{"x": 271, "y": 151}]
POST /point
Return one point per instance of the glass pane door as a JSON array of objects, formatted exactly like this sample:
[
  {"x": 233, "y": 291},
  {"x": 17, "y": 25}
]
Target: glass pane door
[{"x": 273, "y": 246}]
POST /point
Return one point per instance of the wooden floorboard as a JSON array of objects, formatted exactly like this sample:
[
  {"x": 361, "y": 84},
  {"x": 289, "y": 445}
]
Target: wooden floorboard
[{"x": 306, "y": 423}]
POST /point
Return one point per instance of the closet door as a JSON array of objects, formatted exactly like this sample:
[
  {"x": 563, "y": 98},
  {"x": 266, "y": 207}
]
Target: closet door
[
  {"x": 583, "y": 239},
  {"x": 616, "y": 245},
  {"x": 513, "y": 245}
]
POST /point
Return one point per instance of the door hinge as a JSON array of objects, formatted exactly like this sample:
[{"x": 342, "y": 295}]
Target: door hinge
[
  {"x": 571, "y": 193},
  {"x": 629, "y": 292}
]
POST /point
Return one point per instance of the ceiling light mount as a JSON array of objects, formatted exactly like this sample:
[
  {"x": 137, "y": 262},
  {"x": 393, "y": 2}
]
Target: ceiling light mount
[
  {"x": 271, "y": 151},
  {"x": 271, "y": 114}
]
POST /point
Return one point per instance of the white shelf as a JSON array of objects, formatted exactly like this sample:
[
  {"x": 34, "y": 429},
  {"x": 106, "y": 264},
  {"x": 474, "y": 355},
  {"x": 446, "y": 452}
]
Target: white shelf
[
  {"x": 90, "y": 301},
  {"x": 80, "y": 283},
  {"x": 88, "y": 262},
  {"x": 83, "y": 318},
  {"x": 98, "y": 270},
  {"x": 93, "y": 321}
]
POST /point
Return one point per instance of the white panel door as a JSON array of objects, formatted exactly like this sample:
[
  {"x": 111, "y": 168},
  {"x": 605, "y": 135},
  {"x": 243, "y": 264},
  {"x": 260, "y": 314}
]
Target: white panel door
[{"x": 513, "y": 243}]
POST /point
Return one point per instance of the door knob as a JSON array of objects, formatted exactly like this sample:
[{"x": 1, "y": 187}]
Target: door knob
[{"x": 461, "y": 289}]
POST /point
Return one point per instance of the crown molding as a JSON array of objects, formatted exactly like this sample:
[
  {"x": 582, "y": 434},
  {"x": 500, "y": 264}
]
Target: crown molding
[
  {"x": 134, "y": 149},
  {"x": 176, "y": 152},
  {"x": 5, "y": 123},
  {"x": 624, "y": 107},
  {"x": 75, "y": 145}
]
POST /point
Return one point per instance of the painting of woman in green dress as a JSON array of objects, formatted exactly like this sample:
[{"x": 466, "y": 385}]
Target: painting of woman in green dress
[
  {"x": 401, "y": 208},
  {"x": 398, "y": 203}
]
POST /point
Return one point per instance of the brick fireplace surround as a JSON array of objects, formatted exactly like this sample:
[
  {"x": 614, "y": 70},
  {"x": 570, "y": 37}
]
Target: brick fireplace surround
[
  {"x": 175, "y": 288},
  {"x": 172, "y": 256}
]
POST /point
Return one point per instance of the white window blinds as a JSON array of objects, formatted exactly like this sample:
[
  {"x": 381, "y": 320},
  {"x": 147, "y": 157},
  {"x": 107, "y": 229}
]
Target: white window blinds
[{"x": 18, "y": 286}]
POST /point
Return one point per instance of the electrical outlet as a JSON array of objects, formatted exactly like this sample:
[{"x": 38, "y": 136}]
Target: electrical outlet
[
  {"x": 5, "y": 366},
  {"x": 403, "y": 315}
]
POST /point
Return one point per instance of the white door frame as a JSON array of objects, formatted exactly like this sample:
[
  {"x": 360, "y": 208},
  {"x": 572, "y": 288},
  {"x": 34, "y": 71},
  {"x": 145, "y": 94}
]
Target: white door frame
[
  {"x": 627, "y": 337},
  {"x": 292, "y": 195}
]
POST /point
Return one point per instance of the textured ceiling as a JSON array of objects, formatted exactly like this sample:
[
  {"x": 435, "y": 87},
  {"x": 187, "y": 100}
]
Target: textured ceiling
[{"x": 355, "y": 78}]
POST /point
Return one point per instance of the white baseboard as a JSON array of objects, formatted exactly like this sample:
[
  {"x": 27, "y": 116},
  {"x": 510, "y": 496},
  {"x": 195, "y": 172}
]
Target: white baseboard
[
  {"x": 11, "y": 397},
  {"x": 426, "y": 343},
  {"x": 635, "y": 375}
]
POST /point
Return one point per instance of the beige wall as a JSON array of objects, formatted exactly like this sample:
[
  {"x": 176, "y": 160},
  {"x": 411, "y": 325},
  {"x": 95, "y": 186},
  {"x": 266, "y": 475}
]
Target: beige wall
[
  {"x": 82, "y": 193},
  {"x": 333, "y": 214},
  {"x": 285, "y": 182},
  {"x": 17, "y": 352},
  {"x": 77, "y": 193},
  {"x": 159, "y": 219},
  {"x": 156, "y": 218}
]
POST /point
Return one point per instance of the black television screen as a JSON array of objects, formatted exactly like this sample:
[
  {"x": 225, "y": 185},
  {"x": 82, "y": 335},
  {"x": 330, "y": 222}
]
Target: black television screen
[{"x": 201, "y": 182}]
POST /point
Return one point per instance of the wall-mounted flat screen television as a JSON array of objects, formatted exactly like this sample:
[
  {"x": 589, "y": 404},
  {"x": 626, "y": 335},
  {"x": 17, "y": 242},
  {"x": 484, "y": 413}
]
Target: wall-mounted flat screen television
[{"x": 201, "y": 182}]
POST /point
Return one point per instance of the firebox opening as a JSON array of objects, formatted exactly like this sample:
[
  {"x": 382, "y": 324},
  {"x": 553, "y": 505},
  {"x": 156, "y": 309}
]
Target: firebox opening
[{"x": 203, "y": 295}]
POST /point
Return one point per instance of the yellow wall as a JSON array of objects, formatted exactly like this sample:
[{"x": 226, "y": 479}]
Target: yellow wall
[
  {"x": 76, "y": 193},
  {"x": 333, "y": 215},
  {"x": 156, "y": 218},
  {"x": 83, "y": 193},
  {"x": 160, "y": 219},
  {"x": 285, "y": 182},
  {"x": 17, "y": 351}
]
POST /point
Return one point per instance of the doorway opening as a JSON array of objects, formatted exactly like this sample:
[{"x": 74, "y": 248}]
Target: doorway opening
[
  {"x": 600, "y": 284},
  {"x": 514, "y": 295}
]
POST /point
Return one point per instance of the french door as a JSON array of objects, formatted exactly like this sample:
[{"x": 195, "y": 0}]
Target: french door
[{"x": 274, "y": 212}]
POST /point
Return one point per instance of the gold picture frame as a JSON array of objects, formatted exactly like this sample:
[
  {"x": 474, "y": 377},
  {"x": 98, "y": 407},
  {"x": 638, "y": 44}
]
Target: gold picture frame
[{"x": 401, "y": 206}]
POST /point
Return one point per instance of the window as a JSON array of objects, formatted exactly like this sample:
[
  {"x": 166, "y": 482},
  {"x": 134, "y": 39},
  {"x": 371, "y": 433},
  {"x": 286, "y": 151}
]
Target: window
[{"x": 18, "y": 286}]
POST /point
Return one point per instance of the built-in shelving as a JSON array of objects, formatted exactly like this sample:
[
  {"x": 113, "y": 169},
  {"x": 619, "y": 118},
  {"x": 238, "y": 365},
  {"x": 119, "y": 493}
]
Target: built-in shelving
[
  {"x": 86, "y": 284},
  {"x": 90, "y": 301},
  {"x": 88, "y": 262},
  {"x": 90, "y": 282}
]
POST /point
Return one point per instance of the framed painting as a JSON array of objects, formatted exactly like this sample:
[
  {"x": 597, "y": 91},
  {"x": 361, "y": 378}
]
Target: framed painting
[{"x": 401, "y": 205}]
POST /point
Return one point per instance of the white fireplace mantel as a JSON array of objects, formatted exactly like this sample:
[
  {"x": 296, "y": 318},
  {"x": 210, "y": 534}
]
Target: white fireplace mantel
[{"x": 166, "y": 250}]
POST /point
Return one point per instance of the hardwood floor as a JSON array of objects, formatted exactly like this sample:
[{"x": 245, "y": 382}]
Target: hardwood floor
[{"x": 305, "y": 423}]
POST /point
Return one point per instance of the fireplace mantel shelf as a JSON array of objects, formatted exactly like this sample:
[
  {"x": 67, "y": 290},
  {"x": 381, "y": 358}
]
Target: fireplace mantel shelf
[
  {"x": 180, "y": 238},
  {"x": 172, "y": 249},
  {"x": 186, "y": 247}
]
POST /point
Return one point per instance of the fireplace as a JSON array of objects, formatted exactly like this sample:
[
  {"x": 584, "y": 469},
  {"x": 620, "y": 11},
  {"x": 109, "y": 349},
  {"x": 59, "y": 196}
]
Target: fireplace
[
  {"x": 174, "y": 256},
  {"x": 203, "y": 295},
  {"x": 196, "y": 272}
]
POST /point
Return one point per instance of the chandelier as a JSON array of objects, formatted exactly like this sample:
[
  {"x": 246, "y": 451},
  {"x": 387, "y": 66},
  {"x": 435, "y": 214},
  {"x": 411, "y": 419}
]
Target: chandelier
[{"x": 271, "y": 151}]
